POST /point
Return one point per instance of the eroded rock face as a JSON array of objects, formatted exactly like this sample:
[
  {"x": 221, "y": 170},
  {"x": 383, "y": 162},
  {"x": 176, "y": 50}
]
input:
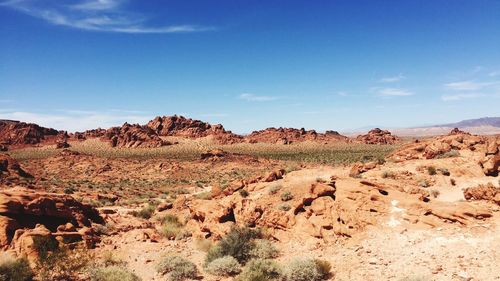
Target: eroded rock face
[
  {"x": 186, "y": 127},
  {"x": 132, "y": 136},
  {"x": 10, "y": 170},
  {"x": 378, "y": 136},
  {"x": 487, "y": 192},
  {"x": 23, "y": 210},
  {"x": 291, "y": 135},
  {"x": 15, "y": 133}
]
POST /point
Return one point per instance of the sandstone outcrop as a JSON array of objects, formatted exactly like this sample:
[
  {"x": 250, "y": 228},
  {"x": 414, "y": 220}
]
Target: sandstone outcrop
[
  {"x": 133, "y": 136},
  {"x": 292, "y": 135},
  {"x": 487, "y": 192},
  {"x": 11, "y": 171},
  {"x": 378, "y": 136},
  {"x": 18, "y": 134},
  {"x": 25, "y": 212}
]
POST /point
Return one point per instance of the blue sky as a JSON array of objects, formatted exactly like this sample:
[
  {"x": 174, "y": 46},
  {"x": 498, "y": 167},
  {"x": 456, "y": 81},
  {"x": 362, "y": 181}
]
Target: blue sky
[{"x": 322, "y": 65}]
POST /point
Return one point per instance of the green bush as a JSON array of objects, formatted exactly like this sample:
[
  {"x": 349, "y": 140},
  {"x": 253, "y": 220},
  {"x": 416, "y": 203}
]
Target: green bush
[
  {"x": 274, "y": 189},
  {"x": 305, "y": 269},
  {"x": 238, "y": 243},
  {"x": 12, "y": 269},
  {"x": 112, "y": 273},
  {"x": 171, "y": 226},
  {"x": 146, "y": 212},
  {"x": 260, "y": 270},
  {"x": 225, "y": 266},
  {"x": 264, "y": 249},
  {"x": 244, "y": 193},
  {"x": 177, "y": 268},
  {"x": 286, "y": 196},
  {"x": 431, "y": 170}
]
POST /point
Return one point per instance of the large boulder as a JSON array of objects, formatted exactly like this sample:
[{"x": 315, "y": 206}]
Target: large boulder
[
  {"x": 378, "y": 136},
  {"x": 11, "y": 171},
  {"x": 487, "y": 192}
]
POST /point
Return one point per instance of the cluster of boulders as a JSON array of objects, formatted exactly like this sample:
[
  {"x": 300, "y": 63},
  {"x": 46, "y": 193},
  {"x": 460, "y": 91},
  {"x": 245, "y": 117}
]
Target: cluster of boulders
[
  {"x": 18, "y": 134},
  {"x": 487, "y": 192},
  {"x": 132, "y": 136},
  {"x": 378, "y": 136},
  {"x": 291, "y": 135},
  {"x": 491, "y": 161},
  {"x": 26, "y": 215}
]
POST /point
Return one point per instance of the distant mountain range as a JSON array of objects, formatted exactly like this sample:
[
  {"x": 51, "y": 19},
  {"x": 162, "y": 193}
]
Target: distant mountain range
[{"x": 481, "y": 126}]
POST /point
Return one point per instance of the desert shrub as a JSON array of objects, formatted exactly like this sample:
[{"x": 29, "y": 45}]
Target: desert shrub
[
  {"x": 109, "y": 259},
  {"x": 176, "y": 268},
  {"x": 387, "y": 174},
  {"x": 260, "y": 270},
  {"x": 414, "y": 278},
  {"x": 453, "y": 182},
  {"x": 69, "y": 190},
  {"x": 291, "y": 168},
  {"x": 286, "y": 196},
  {"x": 264, "y": 249},
  {"x": 324, "y": 268},
  {"x": 238, "y": 243},
  {"x": 225, "y": 266},
  {"x": 305, "y": 269},
  {"x": 12, "y": 269},
  {"x": 112, "y": 273},
  {"x": 172, "y": 228},
  {"x": 244, "y": 193},
  {"x": 146, "y": 212},
  {"x": 434, "y": 193},
  {"x": 444, "y": 171},
  {"x": 431, "y": 170},
  {"x": 274, "y": 189},
  {"x": 284, "y": 207},
  {"x": 59, "y": 263},
  {"x": 320, "y": 180},
  {"x": 449, "y": 154},
  {"x": 204, "y": 195}
]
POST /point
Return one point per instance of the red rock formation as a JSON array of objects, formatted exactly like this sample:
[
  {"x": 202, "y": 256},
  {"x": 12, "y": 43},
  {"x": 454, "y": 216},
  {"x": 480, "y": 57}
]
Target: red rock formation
[
  {"x": 290, "y": 135},
  {"x": 378, "y": 136},
  {"x": 186, "y": 127},
  {"x": 11, "y": 171},
  {"x": 23, "y": 209},
  {"x": 15, "y": 133},
  {"x": 133, "y": 136},
  {"x": 457, "y": 131},
  {"x": 486, "y": 192}
]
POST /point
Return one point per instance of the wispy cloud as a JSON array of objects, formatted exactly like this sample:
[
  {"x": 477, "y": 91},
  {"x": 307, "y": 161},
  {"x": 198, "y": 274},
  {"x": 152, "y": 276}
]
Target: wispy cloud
[
  {"x": 462, "y": 96},
  {"x": 256, "y": 98},
  {"x": 342, "y": 94},
  {"x": 393, "y": 92},
  {"x": 494, "y": 73},
  {"x": 392, "y": 79},
  {"x": 96, "y": 15},
  {"x": 468, "y": 85}
]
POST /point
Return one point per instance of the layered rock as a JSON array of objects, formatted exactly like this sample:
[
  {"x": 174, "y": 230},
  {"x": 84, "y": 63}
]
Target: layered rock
[
  {"x": 378, "y": 136},
  {"x": 291, "y": 135},
  {"x": 25, "y": 212}
]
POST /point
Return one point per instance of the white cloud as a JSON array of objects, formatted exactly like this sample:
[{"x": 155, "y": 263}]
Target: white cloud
[
  {"x": 343, "y": 94},
  {"x": 468, "y": 85},
  {"x": 96, "y": 15},
  {"x": 252, "y": 97},
  {"x": 76, "y": 120},
  {"x": 458, "y": 97},
  {"x": 394, "y": 92},
  {"x": 494, "y": 73},
  {"x": 392, "y": 79}
]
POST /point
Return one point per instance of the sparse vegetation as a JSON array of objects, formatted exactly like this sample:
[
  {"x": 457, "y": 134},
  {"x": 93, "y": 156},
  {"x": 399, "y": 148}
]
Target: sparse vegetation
[
  {"x": 238, "y": 243},
  {"x": 284, "y": 207},
  {"x": 388, "y": 174},
  {"x": 274, "y": 189},
  {"x": 444, "y": 171},
  {"x": 225, "y": 266},
  {"x": 260, "y": 270},
  {"x": 12, "y": 269},
  {"x": 305, "y": 269},
  {"x": 453, "y": 182},
  {"x": 431, "y": 170},
  {"x": 449, "y": 154},
  {"x": 264, "y": 249},
  {"x": 176, "y": 268},
  {"x": 434, "y": 193},
  {"x": 172, "y": 228},
  {"x": 146, "y": 212},
  {"x": 244, "y": 193},
  {"x": 286, "y": 196},
  {"x": 112, "y": 273},
  {"x": 204, "y": 195},
  {"x": 424, "y": 183}
]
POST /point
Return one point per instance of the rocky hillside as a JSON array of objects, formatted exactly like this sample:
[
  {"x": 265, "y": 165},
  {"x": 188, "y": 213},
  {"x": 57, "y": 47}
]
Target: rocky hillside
[
  {"x": 16, "y": 133},
  {"x": 291, "y": 135}
]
